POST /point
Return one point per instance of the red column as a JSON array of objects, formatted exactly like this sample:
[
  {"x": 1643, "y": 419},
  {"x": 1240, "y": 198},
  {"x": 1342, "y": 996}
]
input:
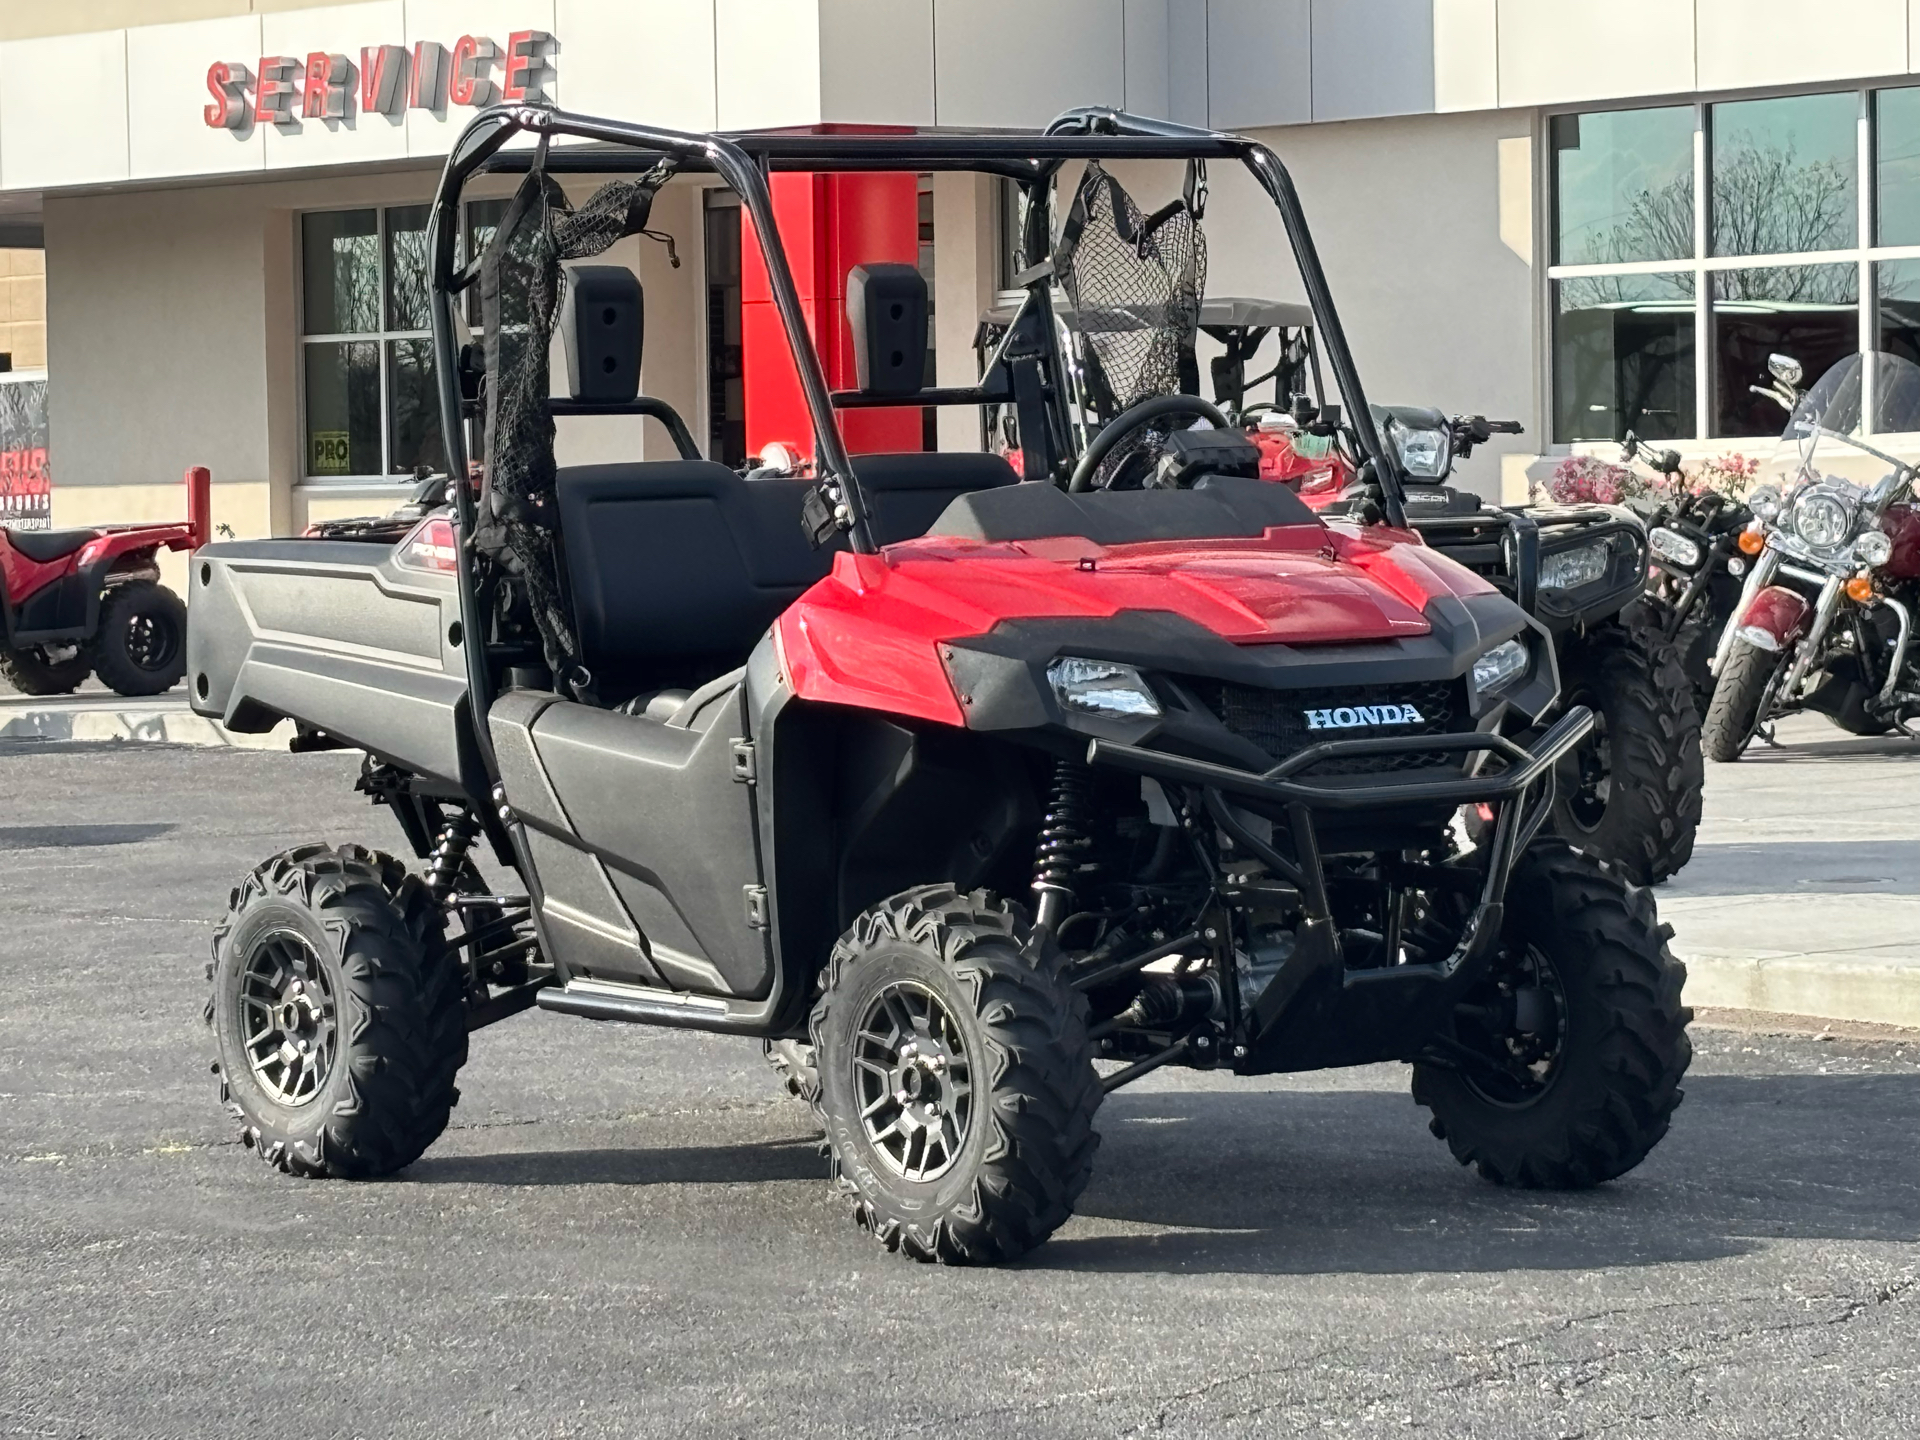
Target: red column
[{"x": 828, "y": 224}]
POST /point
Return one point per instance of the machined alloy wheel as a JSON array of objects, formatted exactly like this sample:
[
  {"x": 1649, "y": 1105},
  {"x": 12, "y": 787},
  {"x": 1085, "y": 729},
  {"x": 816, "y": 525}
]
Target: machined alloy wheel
[
  {"x": 915, "y": 1081},
  {"x": 289, "y": 1014},
  {"x": 338, "y": 1013},
  {"x": 955, "y": 1077}
]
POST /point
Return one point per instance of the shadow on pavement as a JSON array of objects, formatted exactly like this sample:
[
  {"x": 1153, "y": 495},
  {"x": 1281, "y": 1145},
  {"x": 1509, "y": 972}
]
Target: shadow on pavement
[
  {"x": 685, "y": 1165},
  {"x": 61, "y": 837},
  {"x": 1841, "y": 747},
  {"x": 1330, "y": 1182},
  {"x": 1350, "y": 1181},
  {"x": 1801, "y": 866}
]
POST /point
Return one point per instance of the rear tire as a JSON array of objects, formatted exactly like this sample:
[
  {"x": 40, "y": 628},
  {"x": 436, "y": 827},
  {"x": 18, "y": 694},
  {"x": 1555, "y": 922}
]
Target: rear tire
[
  {"x": 941, "y": 997},
  {"x": 31, "y": 672},
  {"x": 142, "y": 645},
  {"x": 338, "y": 1013},
  {"x": 1630, "y": 793},
  {"x": 1608, "y": 1027},
  {"x": 1744, "y": 683}
]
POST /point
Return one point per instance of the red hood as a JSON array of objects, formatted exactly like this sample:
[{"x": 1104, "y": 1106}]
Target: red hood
[{"x": 869, "y": 632}]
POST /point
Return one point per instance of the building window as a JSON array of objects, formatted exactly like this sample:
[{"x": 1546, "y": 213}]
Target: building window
[
  {"x": 1689, "y": 243},
  {"x": 372, "y": 408}
]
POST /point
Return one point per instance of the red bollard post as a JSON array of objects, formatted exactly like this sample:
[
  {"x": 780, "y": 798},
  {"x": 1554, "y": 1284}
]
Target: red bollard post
[{"x": 200, "y": 504}]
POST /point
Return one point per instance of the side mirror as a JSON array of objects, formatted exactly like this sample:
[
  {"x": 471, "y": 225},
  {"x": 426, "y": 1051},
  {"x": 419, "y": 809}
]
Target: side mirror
[{"x": 1785, "y": 369}]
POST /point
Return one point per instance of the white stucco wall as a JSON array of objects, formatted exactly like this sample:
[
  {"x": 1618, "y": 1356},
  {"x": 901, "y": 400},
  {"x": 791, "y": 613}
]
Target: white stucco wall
[{"x": 1406, "y": 216}]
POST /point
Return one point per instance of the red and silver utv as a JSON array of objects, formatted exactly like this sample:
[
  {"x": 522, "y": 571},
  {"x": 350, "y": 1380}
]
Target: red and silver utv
[{"x": 972, "y": 795}]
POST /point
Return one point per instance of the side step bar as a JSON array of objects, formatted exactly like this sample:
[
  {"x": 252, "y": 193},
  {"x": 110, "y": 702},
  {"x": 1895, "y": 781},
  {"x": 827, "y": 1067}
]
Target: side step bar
[{"x": 637, "y": 1004}]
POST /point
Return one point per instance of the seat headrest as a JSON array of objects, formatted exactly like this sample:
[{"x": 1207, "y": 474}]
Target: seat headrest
[
  {"x": 601, "y": 326},
  {"x": 887, "y": 312}
]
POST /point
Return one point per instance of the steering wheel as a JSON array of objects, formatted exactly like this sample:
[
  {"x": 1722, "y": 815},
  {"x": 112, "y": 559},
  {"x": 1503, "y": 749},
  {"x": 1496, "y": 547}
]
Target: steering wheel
[{"x": 1132, "y": 418}]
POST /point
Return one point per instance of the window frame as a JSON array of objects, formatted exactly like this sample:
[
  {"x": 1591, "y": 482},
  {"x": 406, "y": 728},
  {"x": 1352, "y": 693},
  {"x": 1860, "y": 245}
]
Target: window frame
[
  {"x": 381, "y": 337},
  {"x": 1865, "y": 255}
]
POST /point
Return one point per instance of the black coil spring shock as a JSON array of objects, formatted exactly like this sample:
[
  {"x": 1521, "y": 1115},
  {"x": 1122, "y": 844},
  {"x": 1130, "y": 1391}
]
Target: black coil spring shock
[
  {"x": 1063, "y": 835},
  {"x": 457, "y": 835}
]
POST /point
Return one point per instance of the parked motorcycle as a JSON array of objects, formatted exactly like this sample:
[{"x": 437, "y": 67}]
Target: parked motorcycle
[
  {"x": 1825, "y": 617},
  {"x": 1695, "y": 564}
]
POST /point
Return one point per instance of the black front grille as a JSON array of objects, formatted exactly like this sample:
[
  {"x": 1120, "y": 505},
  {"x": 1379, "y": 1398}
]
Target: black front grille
[{"x": 1279, "y": 722}]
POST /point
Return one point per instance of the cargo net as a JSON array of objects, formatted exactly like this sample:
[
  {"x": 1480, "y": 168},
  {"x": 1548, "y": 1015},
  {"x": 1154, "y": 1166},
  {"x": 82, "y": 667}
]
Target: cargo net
[
  {"x": 522, "y": 284},
  {"x": 1133, "y": 284}
]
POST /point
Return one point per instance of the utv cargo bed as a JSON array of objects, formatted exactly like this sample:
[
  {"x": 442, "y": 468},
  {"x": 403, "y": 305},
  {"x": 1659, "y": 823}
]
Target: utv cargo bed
[{"x": 342, "y": 634}]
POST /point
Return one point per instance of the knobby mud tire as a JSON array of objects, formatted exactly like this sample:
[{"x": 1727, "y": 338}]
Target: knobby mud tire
[
  {"x": 1029, "y": 1147},
  {"x": 1634, "y": 680},
  {"x": 141, "y": 648},
  {"x": 399, "y": 1012},
  {"x": 31, "y": 673},
  {"x": 1616, "y": 1082}
]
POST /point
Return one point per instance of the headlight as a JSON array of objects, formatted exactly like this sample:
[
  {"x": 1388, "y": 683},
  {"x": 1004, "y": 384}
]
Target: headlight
[
  {"x": 1764, "y": 502},
  {"x": 1571, "y": 568},
  {"x": 1673, "y": 547},
  {"x": 1873, "y": 547},
  {"x": 1100, "y": 687},
  {"x": 1499, "y": 665},
  {"x": 1425, "y": 453},
  {"x": 1822, "y": 521}
]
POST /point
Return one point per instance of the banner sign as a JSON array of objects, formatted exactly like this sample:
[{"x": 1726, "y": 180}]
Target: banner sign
[
  {"x": 387, "y": 80},
  {"x": 26, "y": 491}
]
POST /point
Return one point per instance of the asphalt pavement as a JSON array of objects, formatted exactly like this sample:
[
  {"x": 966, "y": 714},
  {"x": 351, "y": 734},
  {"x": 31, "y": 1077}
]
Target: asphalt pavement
[{"x": 627, "y": 1233}]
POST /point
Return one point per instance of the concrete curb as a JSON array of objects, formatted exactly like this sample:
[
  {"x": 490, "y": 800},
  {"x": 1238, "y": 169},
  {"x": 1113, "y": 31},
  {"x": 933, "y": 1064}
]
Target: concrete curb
[
  {"x": 109, "y": 725},
  {"x": 1863, "y": 988}
]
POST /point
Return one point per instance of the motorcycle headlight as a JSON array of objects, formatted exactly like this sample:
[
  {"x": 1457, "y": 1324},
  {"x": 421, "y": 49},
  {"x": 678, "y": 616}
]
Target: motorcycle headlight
[
  {"x": 1673, "y": 547},
  {"x": 1821, "y": 521},
  {"x": 1873, "y": 547},
  {"x": 1499, "y": 665},
  {"x": 1100, "y": 687},
  {"x": 1425, "y": 453},
  {"x": 1764, "y": 502},
  {"x": 1569, "y": 569}
]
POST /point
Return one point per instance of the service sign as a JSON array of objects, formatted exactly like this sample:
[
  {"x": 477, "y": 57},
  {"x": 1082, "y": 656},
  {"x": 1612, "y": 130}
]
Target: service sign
[{"x": 284, "y": 90}]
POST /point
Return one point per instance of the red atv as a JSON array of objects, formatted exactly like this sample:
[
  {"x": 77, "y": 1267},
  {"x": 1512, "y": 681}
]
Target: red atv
[
  {"x": 974, "y": 795},
  {"x": 81, "y": 602}
]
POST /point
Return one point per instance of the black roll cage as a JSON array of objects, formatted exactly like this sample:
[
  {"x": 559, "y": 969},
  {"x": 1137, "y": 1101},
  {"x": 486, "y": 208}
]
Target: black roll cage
[{"x": 744, "y": 162}]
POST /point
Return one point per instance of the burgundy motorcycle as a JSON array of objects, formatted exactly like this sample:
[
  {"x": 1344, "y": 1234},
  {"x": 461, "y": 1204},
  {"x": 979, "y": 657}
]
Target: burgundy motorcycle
[{"x": 1825, "y": 620}]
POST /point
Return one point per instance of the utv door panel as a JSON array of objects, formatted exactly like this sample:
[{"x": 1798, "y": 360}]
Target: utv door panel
[
  {"x": 659, "y": 803},
  {"x": 589, "y": 928}
]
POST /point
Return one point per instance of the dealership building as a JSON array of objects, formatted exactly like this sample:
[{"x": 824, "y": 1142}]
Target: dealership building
[{"x": 1585, "y": 216}]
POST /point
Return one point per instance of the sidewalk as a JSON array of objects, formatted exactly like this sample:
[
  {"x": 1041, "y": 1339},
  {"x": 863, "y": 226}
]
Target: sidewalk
[
  {"x": 1804, "y": 892},
  {"x": 95, "y": 713}
]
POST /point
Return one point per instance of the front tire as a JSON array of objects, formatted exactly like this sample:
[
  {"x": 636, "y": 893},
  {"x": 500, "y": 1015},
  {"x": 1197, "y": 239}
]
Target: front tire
[
  {"x": 33, "y": 671},
  {"x": 956, "y": 1079},
  {"x": 1581, "y": 1028},
  {"x": 338, "y": 1013},
  {"x": 142, "y": 645},
  {"x": 1745, "y": 684},
  {"x": 1630, "y": 792}
]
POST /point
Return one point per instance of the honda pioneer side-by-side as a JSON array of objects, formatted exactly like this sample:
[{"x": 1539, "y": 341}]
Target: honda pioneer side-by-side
[{"x": 973, "y": 793}]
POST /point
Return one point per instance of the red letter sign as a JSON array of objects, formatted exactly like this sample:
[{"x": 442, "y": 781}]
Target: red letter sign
[
  {"x": 228, "y": 84},
  {"x": 429, "y": 76},
  {"x": 526, "y": 66},
  {"x": 471, "y": 83},
  {"x": 273, "y": 98},
  {"x": 383, "y": 75},
  {"x": 326, "y": 88}
]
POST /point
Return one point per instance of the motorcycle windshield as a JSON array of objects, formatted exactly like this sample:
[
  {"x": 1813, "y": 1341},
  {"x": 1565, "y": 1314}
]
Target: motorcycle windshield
[{"x": 1828, "y": 434}]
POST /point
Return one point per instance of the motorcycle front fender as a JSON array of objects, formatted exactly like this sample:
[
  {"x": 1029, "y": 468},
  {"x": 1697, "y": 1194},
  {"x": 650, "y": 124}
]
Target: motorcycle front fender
[{"x": 1774, "y": 618}]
